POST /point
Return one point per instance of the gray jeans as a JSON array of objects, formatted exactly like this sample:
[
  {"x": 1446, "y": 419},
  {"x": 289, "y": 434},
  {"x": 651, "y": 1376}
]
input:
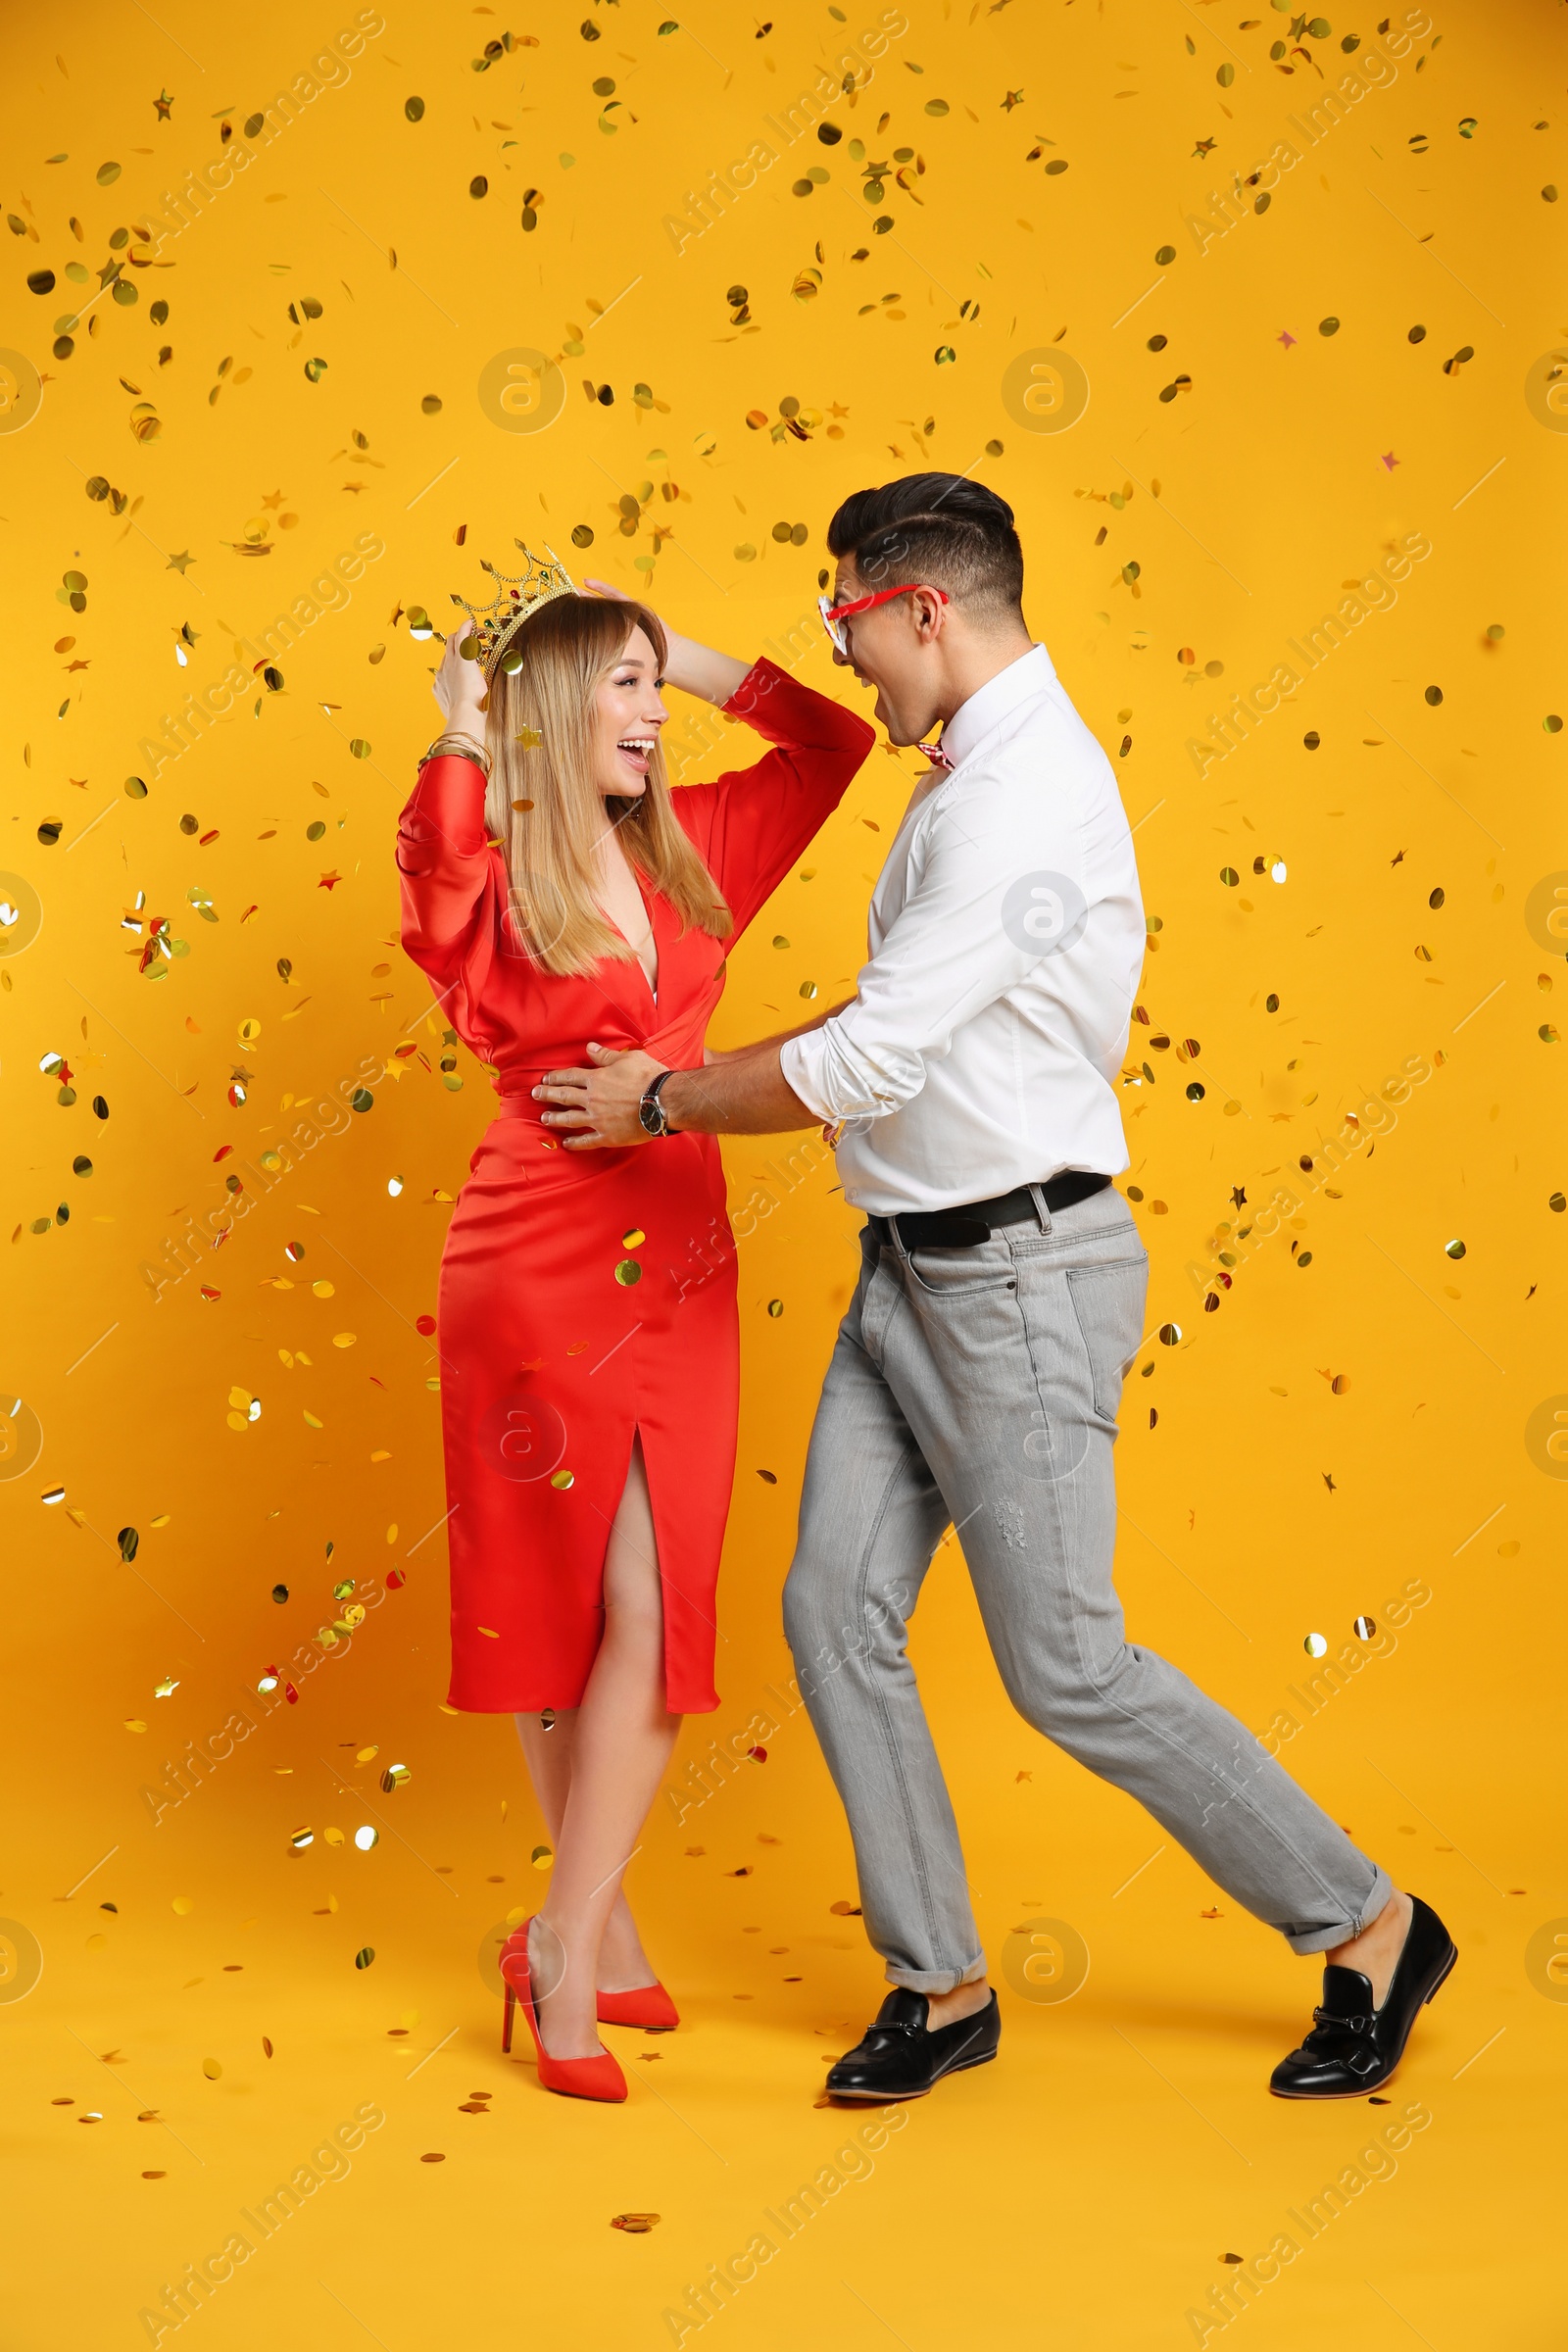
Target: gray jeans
[{"x": 979, "y": 1387}]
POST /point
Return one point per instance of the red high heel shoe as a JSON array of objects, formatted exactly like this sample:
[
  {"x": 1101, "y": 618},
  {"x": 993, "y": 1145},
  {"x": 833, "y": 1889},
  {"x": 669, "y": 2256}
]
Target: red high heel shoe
[
  {"x": 647, "y": 2005},
  {"x": 596, "y": 2078}
]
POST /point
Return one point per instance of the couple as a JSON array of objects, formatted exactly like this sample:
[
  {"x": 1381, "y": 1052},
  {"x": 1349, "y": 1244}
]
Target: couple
[{"x": 573, "y": 915}]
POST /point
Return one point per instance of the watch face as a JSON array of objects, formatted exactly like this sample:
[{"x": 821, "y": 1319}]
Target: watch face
[{"x": 651, "y": 1117}]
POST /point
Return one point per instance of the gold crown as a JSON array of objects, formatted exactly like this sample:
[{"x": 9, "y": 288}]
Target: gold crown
[{"x": 518, "y": 595}]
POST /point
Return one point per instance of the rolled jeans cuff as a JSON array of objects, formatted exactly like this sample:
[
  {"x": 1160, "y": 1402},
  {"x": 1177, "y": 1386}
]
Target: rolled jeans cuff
[
  {"x": 936, "y": 1980},
  {"x": 1324, "y": 1939}
]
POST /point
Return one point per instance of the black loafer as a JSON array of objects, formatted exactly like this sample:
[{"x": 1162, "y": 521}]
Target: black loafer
[
  {"x": 1353, "y": 2048},
  {"x": 902, "y": 2057}
]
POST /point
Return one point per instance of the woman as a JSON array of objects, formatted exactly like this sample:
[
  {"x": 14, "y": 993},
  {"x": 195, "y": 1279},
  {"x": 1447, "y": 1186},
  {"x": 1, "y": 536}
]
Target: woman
[{"x": 558, "y": 892}]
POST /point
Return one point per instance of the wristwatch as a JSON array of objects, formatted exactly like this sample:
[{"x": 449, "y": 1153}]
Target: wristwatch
[{"x": 651, "y": 1112}]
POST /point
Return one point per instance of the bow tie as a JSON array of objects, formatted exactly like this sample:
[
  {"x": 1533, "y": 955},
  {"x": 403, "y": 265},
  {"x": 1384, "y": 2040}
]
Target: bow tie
[{"x": 934, "y": 752}]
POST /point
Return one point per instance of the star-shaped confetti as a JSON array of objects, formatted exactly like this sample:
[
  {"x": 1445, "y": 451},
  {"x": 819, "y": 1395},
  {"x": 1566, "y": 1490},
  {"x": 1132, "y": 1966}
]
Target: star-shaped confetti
[
  {"x": 1329, "y": 1482},
  {"x": 276, "y": 500},
  {"x": 1013, "y": 98},
  {"x": 327, "y": 881},
  {"x": 1389, "y": 460},
  {"x": 163, "y": 100},
  {"x": 1287, "y": 338},
  {"x": 1203, "y": 147},
  {"x": 179, "y": 563},
  {"x": 1238, "y": 1196}
]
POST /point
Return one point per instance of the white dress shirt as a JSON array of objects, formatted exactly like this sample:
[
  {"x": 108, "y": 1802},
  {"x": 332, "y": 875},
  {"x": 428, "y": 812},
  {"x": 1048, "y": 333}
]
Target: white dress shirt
[{"x": 1007, "y": 938}]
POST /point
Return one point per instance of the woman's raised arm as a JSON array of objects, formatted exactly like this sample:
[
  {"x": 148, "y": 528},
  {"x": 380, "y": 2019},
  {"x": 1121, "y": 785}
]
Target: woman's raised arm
[
  {"x": 695, "y": 668},
  {"x": 443, "y": 854}
]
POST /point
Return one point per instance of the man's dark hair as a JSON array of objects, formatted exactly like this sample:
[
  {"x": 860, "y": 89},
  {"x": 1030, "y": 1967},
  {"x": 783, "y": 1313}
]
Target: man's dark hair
[{"x": 937, "y": 529}]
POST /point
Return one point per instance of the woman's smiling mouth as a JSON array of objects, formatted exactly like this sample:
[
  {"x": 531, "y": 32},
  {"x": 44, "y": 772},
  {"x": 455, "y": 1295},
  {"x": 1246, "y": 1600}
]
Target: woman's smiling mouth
[{"x": 636, "y": 750}]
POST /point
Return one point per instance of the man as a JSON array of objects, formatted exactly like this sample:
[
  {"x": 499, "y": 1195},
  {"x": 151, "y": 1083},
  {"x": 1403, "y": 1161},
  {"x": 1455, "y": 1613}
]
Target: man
[{"x": 977, "y": 1373}]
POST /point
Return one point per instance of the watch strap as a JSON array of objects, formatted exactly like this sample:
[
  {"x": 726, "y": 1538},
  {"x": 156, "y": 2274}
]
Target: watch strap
[{"x": 651, "y": 1094}]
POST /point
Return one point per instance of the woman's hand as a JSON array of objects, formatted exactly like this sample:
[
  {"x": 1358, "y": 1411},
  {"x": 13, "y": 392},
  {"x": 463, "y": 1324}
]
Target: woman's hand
[
  {"x": 695, "y": 668},
  {"x": 460, "y": 689}
]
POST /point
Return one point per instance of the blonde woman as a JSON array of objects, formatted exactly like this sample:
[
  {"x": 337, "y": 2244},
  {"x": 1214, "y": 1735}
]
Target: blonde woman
[{"x": 562, "y": 898}]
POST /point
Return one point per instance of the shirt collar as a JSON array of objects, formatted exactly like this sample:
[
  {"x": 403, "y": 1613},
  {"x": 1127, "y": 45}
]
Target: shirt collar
[{"x": 991, "y": 703}]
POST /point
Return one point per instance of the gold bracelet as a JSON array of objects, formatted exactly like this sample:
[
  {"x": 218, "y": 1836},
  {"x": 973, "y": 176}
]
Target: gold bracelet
[{"x": 461, "y": 747}]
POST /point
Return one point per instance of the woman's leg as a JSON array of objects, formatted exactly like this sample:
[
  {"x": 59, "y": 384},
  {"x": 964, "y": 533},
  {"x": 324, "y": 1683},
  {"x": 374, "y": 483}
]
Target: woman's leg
[
  {"x": 620, "y": 1746},
  {"x": 622, "y": 1961}
]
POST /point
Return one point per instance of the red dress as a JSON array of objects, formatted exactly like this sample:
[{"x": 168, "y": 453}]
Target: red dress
[{"x": 563, "y": 1330}]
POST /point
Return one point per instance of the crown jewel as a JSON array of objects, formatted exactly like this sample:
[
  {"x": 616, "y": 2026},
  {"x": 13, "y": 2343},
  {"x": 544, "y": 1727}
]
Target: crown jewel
[{"x": 519, "y": 595}]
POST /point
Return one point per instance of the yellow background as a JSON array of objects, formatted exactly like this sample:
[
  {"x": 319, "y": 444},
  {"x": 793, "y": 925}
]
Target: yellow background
[{"x": 1082, "y": 2191}]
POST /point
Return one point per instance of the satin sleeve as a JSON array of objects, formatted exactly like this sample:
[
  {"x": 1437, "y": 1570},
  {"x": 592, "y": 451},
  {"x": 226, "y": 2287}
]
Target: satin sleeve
[
  {"x": 444, "y": 861},
  {"x": 454, "y": 891},
  {"x": 751, "y": 824}
]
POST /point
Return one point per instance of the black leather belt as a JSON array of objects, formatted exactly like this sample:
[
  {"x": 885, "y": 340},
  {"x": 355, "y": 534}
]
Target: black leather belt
[{"x": 965, "y": 1227}]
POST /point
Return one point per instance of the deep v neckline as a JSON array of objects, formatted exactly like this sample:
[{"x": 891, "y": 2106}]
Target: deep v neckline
[{"x": 652, "y": 985}]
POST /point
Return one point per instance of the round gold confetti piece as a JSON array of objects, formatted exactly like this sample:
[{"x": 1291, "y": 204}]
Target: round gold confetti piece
[
  {"x": 1316, "y": 1645},
  {"x": 183, "y": 1906},
  {"x": 1364, "y": 1628},
  {"x": 323, "y": 1290},
  {"x": 627, "y": 1272},
  {"x": 1453, "y": 1248},
  {"x": 636, "y": 2224},
  {"x": 633, "y": 1237},
  {"x": 562, "y": 1479},
  {"x": 432, "y": 2158},
  {"x": 211, "y": 2069},
  {"x": 542, "y": 1857},
  {"x": 362, "y": 1959}
]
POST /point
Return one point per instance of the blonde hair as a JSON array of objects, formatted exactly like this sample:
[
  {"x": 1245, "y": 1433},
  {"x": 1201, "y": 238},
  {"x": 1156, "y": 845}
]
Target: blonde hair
[{"x": 545, "y": 807}]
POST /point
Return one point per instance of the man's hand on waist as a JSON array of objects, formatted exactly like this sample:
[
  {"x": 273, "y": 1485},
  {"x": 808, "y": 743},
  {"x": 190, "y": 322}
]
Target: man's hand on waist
[
  {"x": 603, "y": 1103},
  {"x": 746, "y": 1096}
]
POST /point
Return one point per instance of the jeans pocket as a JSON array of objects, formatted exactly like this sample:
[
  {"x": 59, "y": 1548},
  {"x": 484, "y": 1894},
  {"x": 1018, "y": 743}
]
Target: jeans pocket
[
  {"x": 962, "y": 1273},
  {"x": 1108, "y": 1304}
]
